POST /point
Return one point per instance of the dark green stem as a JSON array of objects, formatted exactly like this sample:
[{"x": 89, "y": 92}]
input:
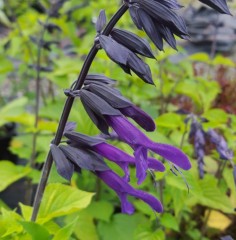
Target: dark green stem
[{"x": 66, "y": 111}]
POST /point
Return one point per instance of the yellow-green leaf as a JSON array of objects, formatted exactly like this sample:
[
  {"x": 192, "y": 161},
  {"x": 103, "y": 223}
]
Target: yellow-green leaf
[
  {"x": 9, "y": 173},
  {"x": 60, "y": 200}
]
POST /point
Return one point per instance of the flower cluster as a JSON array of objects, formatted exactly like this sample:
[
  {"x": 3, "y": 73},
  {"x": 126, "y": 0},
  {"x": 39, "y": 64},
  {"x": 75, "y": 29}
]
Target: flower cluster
[
  {"x": 107, "y": 108},
  {"x": 200, "y": 138}
]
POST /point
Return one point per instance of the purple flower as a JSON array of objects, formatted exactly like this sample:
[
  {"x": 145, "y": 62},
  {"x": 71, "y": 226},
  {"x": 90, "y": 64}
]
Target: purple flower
[
  {"x": 221, "y": 145},
  {"x": 128, "y": 133},
  {"x": 114, "y": 154},
  {"x": 199, "y": 145},
  {"x": 122, "y": 188}
]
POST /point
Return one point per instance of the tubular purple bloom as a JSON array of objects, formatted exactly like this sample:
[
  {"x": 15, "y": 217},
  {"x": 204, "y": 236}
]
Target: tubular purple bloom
[
  {"x": 135, "y": 138},
  {"x": 122, "y": 188},
  {"x": 114, "y": 154},
  {"x": 140, "y": 117},
  {"x": 123, "y": 160}
]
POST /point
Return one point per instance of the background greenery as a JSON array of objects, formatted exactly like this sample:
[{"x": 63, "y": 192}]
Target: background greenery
[{"x": 86, "y": 209}]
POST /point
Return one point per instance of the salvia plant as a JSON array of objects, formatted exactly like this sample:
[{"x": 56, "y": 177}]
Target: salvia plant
[
  {"x": 201, "y": 137},
  {"x": 109, "y": 110}
]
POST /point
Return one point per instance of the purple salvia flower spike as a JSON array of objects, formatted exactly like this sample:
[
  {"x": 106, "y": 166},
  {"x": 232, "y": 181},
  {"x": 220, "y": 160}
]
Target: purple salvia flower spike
[{"x": 221, "y": 145}]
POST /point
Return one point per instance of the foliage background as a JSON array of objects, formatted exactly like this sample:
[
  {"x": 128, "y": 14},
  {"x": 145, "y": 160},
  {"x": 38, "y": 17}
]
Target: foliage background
[{"x": 85, "y": 208}]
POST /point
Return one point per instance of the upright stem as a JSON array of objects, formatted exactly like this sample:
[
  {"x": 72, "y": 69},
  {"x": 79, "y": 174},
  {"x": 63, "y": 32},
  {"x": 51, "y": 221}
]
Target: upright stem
[
  {"x": 37, "y": 99},
  {"x": 67, "y": 109},
  {"x": 28, "y": 197}
]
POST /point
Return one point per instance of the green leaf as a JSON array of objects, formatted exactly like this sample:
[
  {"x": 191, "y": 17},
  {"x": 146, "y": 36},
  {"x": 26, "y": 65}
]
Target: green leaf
[
  {"x": 216, "y": 117},
  {"x": 4, "y": 19},
  {"x": 14, "y": 108},
  {"x": 229, "y": 178},
  {"x": 200, "y": 57},
  {"x": 36, "y": 231},
  {"x": 65, "y": 232},
  {"x": 169, "y": 221},
  {"x": 9, "y": 223},
  {"x": 85, "y": 228},
  {"x": 26, "y": 211},
  {"x": 9, "y": 173},
  {"x": 221, "y": 60},
  {"x": 60, "y": 200},
  {"x": 100, "y": 210},
  {"x": 122, "y": 227},
  {"x": 169, "y": 120},
  {"x": 150, "y": 235},
  {"x": 188, "y": 88},
  {"x": 203, "y": 191},
  {"x": 144, "y": 208}
]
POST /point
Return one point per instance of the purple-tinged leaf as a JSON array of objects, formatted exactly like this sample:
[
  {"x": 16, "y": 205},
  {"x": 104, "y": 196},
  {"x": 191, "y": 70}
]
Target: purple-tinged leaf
[
  {"x": 85, "y": 159},
  {"x": 168, "y": 36},
  {"x": 135, "y": 17},
  {"x": 83, "y": 140},
  {"x": 70, "y": 126},
  {"x": 98, "y": 78},
  {"x": 172, "y": 4},
  {"x": 97, "y": 119},
  {"x": 125, "y": 68},
  {"x": 150, "y": 29},
  {"x": 64, "y": 167},
  {"x": 163, "y": 15},
  {"x": 97, "y": 104},
  {"x": 132, "y": 42},
  {"x": 114, "y": 50},
  {"x": 114, "y": 98},
  {"x": 140, "y": 68},
  {"x": 219, "y": 5},
  {"x": 101, "y": 21}
]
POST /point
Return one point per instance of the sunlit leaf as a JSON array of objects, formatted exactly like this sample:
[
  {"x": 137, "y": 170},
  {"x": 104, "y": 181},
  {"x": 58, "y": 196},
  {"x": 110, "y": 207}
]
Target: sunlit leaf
[
  {"x": 100, "y": 210},
  {"x": 9, "y": 173},
  {"x": 36, "y": 231},
  {"x": 65, "y": 232},
  {"x": 60, "y": 200},
  {"x": 169, "y": 120},
  {"x": 122, "y": 227},
  {"x": 169, "y": 221}
]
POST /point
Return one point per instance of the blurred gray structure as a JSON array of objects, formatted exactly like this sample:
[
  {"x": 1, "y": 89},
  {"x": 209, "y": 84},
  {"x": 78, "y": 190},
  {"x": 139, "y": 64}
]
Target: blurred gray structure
[{"x": 209, "y": 31}]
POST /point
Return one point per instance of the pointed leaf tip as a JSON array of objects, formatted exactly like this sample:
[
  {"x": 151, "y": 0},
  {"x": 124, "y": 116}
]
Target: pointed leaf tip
[
  {"x": 218, "y": 5},
  {"x": 101, "y": 21},
  {"x": 64, "y": 167}
]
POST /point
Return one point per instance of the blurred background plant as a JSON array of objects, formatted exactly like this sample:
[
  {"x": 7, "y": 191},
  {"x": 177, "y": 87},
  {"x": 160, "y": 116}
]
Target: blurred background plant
[{"x": 193, "y": 105}]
